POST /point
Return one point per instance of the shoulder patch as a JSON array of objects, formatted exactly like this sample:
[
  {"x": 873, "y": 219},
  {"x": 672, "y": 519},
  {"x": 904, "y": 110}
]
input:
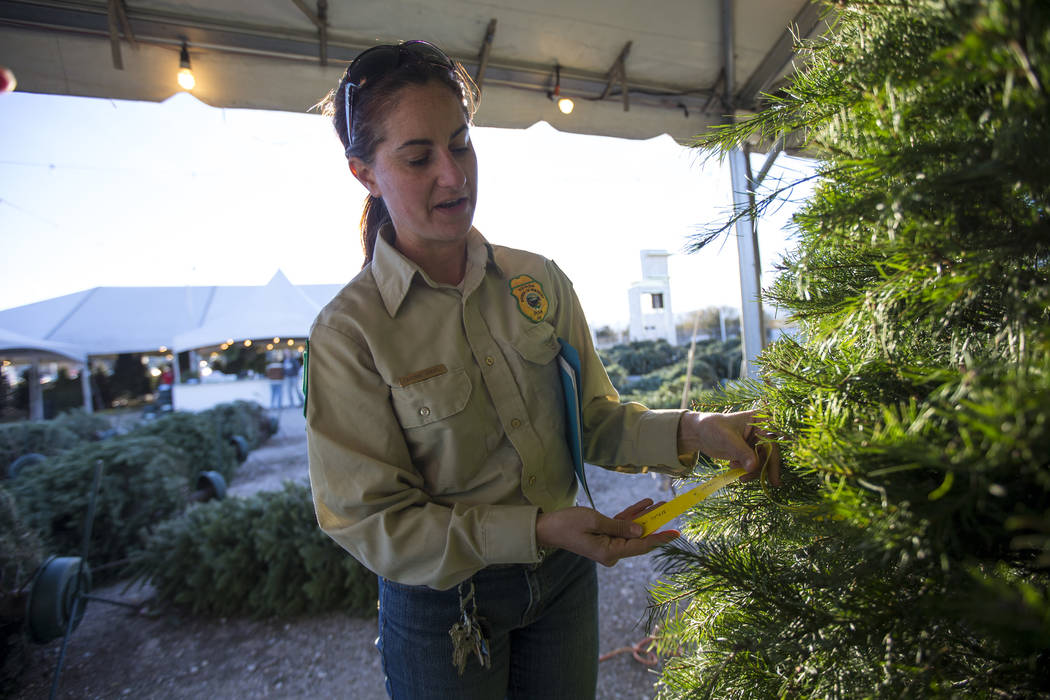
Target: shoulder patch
[{"x": 531, "y": 301}]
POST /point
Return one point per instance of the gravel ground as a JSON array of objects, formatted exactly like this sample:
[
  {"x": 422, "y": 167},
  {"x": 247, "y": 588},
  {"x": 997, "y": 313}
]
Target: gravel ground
[{"x": 119, "y": 652}]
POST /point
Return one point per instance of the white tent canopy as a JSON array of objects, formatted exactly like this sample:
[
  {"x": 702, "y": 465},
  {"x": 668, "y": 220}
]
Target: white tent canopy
[
  {"x": 20, "y": 348},
  {"x": 111, "y": 320},
  {"x": 279, "y": 309}
]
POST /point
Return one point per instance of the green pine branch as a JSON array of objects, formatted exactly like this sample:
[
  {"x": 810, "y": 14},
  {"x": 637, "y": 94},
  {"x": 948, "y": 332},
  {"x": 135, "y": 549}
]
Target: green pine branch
[{"x": 908, "y": 552}]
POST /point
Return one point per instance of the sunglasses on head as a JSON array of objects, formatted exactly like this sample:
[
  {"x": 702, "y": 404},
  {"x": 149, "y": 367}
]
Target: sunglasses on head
[{"x": 377, "y": 61}]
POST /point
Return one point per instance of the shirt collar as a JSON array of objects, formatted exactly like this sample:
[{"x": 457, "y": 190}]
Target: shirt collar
[{"x": 393, "y": 272}]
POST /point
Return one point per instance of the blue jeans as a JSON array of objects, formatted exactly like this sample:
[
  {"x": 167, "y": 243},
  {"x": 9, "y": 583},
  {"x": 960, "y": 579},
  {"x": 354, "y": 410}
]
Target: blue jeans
[{"x": 541, "y": 622}]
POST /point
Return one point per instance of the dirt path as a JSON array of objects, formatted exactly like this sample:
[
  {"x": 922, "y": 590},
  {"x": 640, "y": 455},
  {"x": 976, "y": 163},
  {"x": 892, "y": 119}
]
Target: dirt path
[{"x": 117, "y": 652}]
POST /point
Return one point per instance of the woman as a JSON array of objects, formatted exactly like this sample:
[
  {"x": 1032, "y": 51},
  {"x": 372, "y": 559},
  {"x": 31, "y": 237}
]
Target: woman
[{"x": 435, "y": 416}]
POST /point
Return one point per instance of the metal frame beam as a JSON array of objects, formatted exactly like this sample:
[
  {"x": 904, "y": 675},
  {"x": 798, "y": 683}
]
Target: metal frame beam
[
  {"x": 618, "y": 73},
  {"x": 207, "y": 35},
  {"x": 320, "y": 20},
  {"x": 483, "y": 54},
  {"x": 779, "y": 56}
]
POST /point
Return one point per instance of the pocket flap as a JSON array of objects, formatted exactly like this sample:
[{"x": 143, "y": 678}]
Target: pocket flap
[
  {"x": 538, "y": 344},
  {"x": 430, "y": 400}
]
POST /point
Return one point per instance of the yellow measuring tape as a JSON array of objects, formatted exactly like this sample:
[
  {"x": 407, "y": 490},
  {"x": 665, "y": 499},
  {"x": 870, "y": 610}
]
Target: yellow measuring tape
[{"x": 655, "y": 519}]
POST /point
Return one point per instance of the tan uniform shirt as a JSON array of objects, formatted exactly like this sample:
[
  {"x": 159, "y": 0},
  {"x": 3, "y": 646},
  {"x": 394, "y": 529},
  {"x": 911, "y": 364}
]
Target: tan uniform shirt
[{"x": 435, "y": 417}]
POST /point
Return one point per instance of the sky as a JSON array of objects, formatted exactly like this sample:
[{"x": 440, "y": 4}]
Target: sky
[{"x": 98, "y": 192}]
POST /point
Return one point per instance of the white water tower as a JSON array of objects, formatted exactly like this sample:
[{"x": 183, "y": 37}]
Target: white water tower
[{"x": 650, "y": 300}]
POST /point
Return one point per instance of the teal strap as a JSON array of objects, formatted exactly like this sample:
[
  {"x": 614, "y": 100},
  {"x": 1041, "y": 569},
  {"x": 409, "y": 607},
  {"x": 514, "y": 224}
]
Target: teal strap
[{"x": 306, "y": 375}]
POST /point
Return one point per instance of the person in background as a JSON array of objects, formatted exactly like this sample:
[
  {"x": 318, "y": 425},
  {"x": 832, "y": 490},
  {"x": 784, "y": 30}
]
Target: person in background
[
  {"x": 290, "y": 365},
  {"x": 436, "y": 420},
  {"x": 275, "y": 373}
]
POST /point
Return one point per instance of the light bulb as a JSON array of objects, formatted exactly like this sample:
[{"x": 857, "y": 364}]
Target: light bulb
[
  {"x": 186, "y": 79},
  {"x": 565, "y": 105}
]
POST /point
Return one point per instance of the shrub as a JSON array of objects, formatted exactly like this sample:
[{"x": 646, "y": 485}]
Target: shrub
[
  {"x": 25, "y": 437},
  {"x": 643, "y": 356},
  {"x": 617, "y": 375},
  {"x": 259, "y": 556},
  {"x": 62, "y": 394},
  {"x": 144, "y": 481},
  {"x": 130, "y": 378},
  {"x": 199, "y": 436}
]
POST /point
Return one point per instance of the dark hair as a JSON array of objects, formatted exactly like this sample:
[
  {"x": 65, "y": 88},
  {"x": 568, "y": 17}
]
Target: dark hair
[{"x": 371, "y": 104}]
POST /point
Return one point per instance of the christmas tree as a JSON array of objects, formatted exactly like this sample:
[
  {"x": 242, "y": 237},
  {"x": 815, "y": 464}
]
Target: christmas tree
[{"x": 908, "y": 552}]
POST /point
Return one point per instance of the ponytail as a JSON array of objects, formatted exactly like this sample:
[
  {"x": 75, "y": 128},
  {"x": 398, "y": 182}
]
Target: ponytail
[{"x": 373, "y": 218}]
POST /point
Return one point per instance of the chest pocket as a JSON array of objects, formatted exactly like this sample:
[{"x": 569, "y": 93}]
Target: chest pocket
[
  {"x": 431, "y": 400},
  {"x": 538, "y": 344}
]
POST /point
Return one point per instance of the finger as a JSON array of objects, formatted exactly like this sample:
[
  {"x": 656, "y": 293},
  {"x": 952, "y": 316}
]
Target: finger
[
  {"x": 665, "y": 536},
  {"x": 637, "y": 546},
  {"x": 637, "y": 510},
  {"x": 772, "y": 462},
  {"x": 623, "y": 528},
  {"x": 653, "y": 507},
  {"x": 633, "y": 511}
]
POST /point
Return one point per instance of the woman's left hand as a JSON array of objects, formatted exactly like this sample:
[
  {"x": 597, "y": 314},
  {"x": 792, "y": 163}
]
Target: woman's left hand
[{"x": 590, "y": 534}]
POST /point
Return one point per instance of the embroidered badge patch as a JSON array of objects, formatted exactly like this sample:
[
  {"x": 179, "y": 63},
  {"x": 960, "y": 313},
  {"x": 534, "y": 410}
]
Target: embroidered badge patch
[{"x": 531, "y": 301}]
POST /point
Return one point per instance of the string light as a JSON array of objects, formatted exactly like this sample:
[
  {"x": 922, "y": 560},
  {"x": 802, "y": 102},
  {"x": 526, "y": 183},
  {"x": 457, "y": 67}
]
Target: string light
[
  {"x": 565, "y": 104},
  {"x": 185, "y": 74}
]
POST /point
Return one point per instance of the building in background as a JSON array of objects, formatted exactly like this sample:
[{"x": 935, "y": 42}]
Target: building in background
[{"x": 650, "y": 300}]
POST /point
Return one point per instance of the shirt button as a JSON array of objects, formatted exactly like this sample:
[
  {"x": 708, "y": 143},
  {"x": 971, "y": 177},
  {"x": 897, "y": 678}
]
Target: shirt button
[
  {"x": 532, "y": 480},
  {"x": 490, "y": 361},
  {"x": 515, "y": 423},
  {"x": 424, "y": 411}
]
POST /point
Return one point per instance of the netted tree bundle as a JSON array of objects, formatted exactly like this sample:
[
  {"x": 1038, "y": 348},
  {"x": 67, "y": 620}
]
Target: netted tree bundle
[
  {"x": 260, "y": 556},
  {"x": 144, "y": 481}
]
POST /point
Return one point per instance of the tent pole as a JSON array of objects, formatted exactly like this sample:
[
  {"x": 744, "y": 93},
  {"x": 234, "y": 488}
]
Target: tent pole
[
  {"x": 747, "y": 256},
  {"x": 177, "y": 379},
  {"x": 751, "y": 325},
  {"x": 85, "y": 385},
  {"x": 36, "y": 395}
]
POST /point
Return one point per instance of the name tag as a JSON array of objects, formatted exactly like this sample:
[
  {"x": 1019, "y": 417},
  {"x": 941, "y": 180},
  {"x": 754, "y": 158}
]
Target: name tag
[{"x": 422, "y": 375}]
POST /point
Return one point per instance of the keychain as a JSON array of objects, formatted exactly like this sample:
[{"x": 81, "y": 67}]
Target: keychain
[{"x": 466, "y": 634}]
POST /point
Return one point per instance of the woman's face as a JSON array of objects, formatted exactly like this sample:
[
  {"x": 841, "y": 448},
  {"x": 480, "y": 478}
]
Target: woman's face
[{"x": 424, "y": 168}]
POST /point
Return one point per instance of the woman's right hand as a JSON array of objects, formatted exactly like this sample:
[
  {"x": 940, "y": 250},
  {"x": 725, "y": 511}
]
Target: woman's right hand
[{"x": 606, "y": 540}]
